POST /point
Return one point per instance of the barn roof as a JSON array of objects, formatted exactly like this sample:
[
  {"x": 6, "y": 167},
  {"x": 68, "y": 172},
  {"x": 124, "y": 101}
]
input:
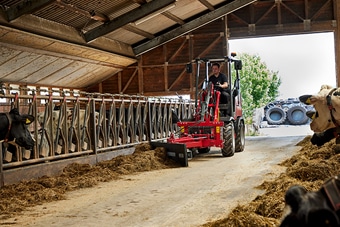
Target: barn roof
[{"x": 78, "y": 43}]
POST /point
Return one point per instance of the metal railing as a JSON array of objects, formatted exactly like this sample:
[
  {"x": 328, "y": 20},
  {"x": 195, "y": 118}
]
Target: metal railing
[{"x": 66, "y": 126}]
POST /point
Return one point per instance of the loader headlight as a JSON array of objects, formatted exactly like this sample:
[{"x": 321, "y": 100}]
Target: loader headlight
[{"x": 217, "y": 129}]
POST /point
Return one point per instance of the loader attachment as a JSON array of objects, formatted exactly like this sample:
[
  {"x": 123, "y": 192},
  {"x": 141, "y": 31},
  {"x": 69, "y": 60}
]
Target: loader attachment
[{"x": 177, "y": 152}]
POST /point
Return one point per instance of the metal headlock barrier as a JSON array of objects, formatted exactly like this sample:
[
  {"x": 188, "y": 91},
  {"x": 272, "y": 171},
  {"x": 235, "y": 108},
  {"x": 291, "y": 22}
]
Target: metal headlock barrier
[{"x": 69, "y": 125}]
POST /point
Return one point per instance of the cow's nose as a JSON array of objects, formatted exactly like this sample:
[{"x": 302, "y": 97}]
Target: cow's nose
[{"x": 311, "y": 114}]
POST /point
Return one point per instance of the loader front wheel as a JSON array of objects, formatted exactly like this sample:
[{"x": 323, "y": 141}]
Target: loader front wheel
[{"x": 228, "y": 149}]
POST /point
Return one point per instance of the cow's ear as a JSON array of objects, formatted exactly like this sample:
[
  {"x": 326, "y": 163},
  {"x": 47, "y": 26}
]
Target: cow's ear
[
  {"x": 326, "y": 86},
  {"x": 322, "y": 217},
  {"x": 27, "y": 119},
  {"x": 294, "y": 196},
  {"x": 308, "y": 99}
]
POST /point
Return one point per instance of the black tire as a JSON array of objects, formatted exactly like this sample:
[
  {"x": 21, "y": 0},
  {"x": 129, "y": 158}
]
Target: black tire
[
  {"x": 228, "y": 149},
  {"x": 297, "y": 115},
  {"x": 275, "y": 116},
  {"x": 203, "y": 150},
  {"x": 240, "y": 136}
]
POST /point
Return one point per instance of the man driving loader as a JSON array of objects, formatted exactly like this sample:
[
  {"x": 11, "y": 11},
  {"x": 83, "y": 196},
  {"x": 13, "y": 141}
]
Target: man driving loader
[{"x": 220, "y": 82}]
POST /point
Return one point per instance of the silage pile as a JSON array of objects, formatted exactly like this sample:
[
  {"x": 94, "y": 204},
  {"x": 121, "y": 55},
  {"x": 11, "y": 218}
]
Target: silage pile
[
  {"x": 309, "y": 168},
  {"x": 18, "y": 197}
]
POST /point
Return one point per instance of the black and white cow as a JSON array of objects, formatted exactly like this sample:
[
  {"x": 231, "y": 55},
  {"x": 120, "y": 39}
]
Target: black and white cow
[
  {"x": 313, "y": 209},
  {"x": 326, "y": 117},
  {"x": 13, "y": 129}
]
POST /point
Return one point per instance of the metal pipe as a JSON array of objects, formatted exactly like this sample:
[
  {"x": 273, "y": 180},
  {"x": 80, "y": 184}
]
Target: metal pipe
[{"x": 51, "y": 158}]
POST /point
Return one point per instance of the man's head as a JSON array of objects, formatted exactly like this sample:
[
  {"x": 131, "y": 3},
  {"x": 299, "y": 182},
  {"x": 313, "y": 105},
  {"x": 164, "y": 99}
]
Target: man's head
[{"x": 215, "y": 68}]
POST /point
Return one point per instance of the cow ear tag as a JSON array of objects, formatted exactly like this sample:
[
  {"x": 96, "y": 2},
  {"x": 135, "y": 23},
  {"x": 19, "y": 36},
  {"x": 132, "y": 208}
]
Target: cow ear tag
[
  {"x": 305, "y": 99},
  {"x": 28, "y": 121}
]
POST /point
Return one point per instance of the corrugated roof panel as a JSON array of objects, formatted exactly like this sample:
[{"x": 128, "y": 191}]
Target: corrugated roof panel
[
  {"x": 9, "y": 68},
  {"x": 48, "y": 70},
  {"x": 63, "y": 16},
  {"x": 187, "y": 9},
  {"x": 125, "y": 36},
  {"x": 30, "y": 69},
  {"x": 152, "y": 27},
  {"x": 6, "y": 55},
  {"x": 87, "y": 75},
  {"x": 99, "y": 74},
  {"x": 55, "y": 78},
  {"x": 10, "y": 2}
]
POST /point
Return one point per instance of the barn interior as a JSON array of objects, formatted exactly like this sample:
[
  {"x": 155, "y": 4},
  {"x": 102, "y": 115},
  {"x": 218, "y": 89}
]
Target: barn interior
[{"x": 104, "y": 59}]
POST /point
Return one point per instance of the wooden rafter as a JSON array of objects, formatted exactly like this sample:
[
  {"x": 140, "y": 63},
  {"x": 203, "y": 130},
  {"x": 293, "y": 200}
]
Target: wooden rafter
[
  {"x": 138, "y": 31},
  {"x": 207, "y": 4},
  {"x": 173, "y": 17},
  {"x": 126, "y": 18}
]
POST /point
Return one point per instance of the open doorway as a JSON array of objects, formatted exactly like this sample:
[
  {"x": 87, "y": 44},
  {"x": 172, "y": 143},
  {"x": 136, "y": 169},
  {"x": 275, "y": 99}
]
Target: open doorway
[{"x": 304, "y": 62}]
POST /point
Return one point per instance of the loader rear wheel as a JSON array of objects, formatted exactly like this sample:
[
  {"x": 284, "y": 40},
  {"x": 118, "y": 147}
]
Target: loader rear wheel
[
  {"x": 228, "y": 149},
  {"x": 240, "y": 136}
]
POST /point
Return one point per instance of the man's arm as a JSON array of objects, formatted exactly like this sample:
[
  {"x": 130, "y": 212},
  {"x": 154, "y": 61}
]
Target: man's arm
[{"x": 225, "y": 84}]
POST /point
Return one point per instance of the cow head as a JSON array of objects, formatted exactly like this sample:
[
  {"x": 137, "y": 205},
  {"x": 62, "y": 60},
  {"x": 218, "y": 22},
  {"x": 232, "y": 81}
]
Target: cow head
[
  {"x": 311, "y": 209},
  {"x": 322, "y": 116},
  {"x": 18, "y": 131}
]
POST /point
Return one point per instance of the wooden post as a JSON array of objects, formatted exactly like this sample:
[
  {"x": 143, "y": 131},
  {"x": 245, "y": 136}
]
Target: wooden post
[
  {"x": 336, "y": 6},
  {"x": 140, "y": 75}
]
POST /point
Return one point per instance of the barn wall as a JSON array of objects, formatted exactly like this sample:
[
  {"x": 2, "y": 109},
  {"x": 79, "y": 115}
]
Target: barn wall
[{"x": 162, "y": 71}]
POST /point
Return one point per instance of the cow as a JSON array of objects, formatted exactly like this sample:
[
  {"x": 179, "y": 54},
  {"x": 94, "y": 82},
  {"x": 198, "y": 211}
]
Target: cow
[
  {"x": 13, "y": 129},
  {"x": 327, "y": 108},
  {"x": 313, "y": 209},
  {"x": 326, "y": 117}
]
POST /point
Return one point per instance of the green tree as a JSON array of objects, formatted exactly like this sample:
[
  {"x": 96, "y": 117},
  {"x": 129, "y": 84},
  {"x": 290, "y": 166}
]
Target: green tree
[{"x": 259, "y": 85}]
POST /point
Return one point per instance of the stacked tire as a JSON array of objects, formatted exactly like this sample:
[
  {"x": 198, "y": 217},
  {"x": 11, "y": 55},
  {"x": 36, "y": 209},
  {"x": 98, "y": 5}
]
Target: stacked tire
[
  {"x": 275, "y": 115},
  {"x": 290, "y": 112},
  {"x": 296, "y": 115}
]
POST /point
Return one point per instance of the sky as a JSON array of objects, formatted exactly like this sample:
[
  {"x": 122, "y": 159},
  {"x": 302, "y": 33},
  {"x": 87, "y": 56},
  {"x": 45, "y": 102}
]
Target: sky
[{"x": 303, "y": 62}]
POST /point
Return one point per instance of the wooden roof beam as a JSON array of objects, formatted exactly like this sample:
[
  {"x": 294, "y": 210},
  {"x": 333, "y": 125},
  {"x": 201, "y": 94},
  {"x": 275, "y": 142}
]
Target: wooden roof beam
[
  {"x": 191, "y": 25},
  {"x": 126, "y": 18}
]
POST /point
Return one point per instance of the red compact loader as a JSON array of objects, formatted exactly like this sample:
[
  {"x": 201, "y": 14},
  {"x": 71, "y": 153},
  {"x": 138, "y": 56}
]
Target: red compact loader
[{"x": 213, "y": 124}]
